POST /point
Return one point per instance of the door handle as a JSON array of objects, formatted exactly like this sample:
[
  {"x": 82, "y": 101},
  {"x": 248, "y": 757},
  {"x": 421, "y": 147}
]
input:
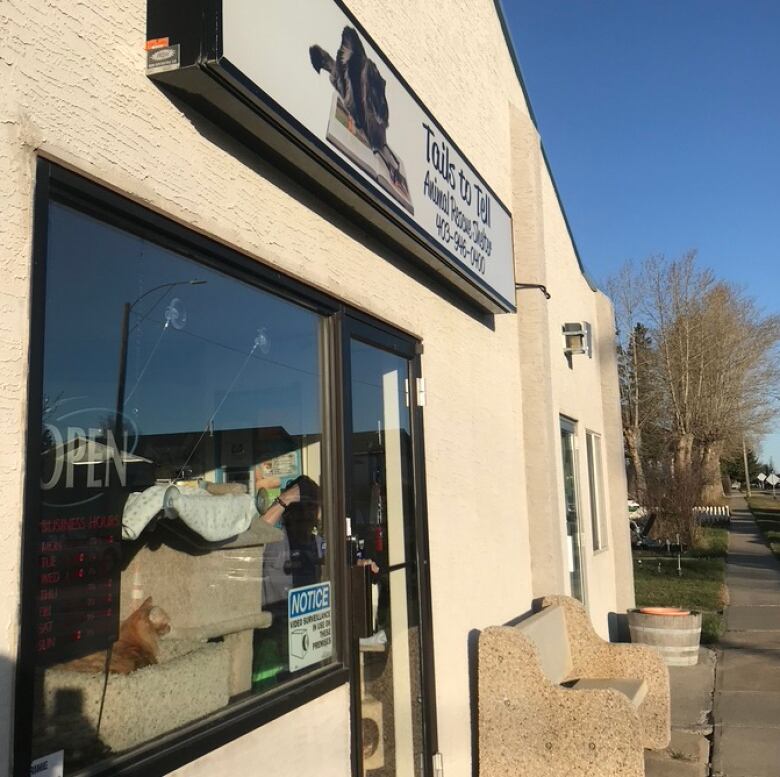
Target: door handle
[{"x": 360, "y": 595}]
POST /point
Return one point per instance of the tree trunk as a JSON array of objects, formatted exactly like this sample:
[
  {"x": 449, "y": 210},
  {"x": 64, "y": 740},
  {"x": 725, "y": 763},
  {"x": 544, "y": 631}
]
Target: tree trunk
[
  {"x": 683, "y": 456},
  {"x": 712, "y": 483},
  {"x": 632, "y": 446}
]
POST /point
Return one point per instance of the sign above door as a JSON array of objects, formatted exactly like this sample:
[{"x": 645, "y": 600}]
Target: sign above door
[{"x": 314, "y": 89}]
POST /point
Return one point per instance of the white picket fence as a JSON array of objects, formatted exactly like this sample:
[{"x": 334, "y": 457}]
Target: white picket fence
[{"x": 716, "y": 515}]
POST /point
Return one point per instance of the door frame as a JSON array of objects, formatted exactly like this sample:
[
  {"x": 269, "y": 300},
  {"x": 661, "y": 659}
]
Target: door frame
[{"x": 353, "y": 325}]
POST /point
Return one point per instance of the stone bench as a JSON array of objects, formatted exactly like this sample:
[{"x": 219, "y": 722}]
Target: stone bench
[{"x": 555, "y": 700}]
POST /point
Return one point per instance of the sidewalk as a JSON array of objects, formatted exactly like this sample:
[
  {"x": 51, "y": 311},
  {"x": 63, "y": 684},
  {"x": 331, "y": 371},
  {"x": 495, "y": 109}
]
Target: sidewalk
[
  {"x": 747, "y": 686},
  {"x": 689, "y": 750}
]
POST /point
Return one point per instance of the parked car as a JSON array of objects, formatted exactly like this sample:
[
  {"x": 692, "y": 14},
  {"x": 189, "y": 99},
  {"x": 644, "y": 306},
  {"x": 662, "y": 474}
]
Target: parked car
[{"x": 635, "y": 510}]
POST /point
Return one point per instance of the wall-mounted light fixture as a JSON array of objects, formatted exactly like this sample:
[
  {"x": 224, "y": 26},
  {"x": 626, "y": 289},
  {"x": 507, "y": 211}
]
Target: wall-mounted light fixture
[{"x": 577, "y": 338}]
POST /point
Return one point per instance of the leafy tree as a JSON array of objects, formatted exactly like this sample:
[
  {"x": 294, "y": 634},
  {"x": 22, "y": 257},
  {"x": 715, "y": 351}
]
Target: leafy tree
[{"x": 733, "y": 466}]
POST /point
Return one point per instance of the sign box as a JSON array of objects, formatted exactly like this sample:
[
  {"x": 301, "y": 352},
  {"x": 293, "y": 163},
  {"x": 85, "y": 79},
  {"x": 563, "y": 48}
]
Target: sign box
[{"x": 314, "y": 89}]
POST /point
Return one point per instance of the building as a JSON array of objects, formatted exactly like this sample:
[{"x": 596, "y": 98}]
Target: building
[{"x": 234, "y": 258}]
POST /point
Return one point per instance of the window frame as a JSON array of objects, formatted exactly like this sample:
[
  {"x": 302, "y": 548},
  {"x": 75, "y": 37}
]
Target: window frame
[
  {"x": 572, "y": 427},
  {"x": 595, "y": 460},
  {"x": 184, "y": 745}
]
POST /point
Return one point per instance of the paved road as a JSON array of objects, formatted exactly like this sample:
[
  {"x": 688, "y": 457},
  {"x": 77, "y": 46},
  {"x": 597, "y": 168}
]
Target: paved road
[{"x": 747, "y": 683}]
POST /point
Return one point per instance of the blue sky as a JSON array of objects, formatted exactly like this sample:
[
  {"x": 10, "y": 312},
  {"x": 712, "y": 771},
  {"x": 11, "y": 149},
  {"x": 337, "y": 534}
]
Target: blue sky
[{"x": 661, "y": 121}]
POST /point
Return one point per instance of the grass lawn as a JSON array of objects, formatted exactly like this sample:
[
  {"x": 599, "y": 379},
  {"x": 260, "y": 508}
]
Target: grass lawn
[
  {"x": 712, "y": 543},
  {"x": 766, "y": 511},
  {"x": 699, "y": 587}
]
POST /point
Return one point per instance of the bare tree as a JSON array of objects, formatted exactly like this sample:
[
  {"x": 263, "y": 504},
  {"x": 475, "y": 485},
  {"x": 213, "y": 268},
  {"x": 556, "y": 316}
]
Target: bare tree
[
  {"x": 739, "y": 377},
  {"x": 637, "y": 370},
  {"x": 673, "y": 502},
  {"x": 697, "y": 363},
  {"x": 674, "y": 307}
]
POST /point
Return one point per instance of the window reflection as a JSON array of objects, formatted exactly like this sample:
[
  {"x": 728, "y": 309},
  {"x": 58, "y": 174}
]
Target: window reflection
[
  {"x": 384, "y": 522},
  {"x": 180, "y": 405},
  {"x": 571, "y": 503}
]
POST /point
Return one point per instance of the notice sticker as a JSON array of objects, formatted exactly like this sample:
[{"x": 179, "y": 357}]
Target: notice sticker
[
  {"x": 309, "y": 625},
  {"x": 49, "y": 766}
]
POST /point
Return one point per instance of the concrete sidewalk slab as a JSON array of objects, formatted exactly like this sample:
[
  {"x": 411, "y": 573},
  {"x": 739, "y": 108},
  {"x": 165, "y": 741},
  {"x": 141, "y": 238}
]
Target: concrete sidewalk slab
[
  {"x": 670, "y": 767},
  {"x": 746, "y": 558},
  {"x": 688, "y": 755},
  {"x": 691, "y": 688},
  {"x": 744, "y": 670},
  {"x": 691, "y": 692},
  {"x": 752, "y": 640},
  {"x": 752, "y": 567},
  {"x": 745, "y": 752},
  {"x": 691, "y": 747},
  {"x": 748, "y": 708},
  {"x": 746, "y": 598},
  {"x": 747, "y": 576},
  {"x": 753, "y": 618},
  {"x": 763, "y": 586},
  {"x": 746, "y": 740}
]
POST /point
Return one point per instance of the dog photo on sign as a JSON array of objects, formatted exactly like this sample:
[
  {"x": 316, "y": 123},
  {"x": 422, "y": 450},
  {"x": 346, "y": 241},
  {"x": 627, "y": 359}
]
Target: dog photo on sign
[{"x": 360, "y": 116}]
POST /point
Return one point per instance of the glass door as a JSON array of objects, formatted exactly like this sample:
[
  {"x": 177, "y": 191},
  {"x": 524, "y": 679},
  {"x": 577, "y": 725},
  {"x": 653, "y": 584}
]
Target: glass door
[
  {"x": 389, "y": 709},
  {"x": 571, "y": 502}
]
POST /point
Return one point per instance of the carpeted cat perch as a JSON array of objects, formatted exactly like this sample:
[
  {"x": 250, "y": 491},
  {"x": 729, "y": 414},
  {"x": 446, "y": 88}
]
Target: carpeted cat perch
[
  {"x": 216, "y": 589},
  {"x": 190, "y": 681},
  {"x": 205, "y": 570}
]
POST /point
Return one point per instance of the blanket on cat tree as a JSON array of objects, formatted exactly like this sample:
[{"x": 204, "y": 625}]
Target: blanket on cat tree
[{"x": 215, "y": 518}]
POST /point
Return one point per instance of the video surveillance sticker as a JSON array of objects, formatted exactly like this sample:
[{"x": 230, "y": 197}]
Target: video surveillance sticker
[
  {"x": 310, "y": 632},
  {"x": 49, "y": 766}
]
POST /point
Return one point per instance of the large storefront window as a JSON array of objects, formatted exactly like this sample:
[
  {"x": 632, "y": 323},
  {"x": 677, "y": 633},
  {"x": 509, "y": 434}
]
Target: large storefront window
[{"x": 182, "y": 565}]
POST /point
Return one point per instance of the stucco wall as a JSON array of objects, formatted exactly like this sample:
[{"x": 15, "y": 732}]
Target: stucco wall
[
  {"x": 73, "y": 89},
  {"x": 614, "y": 452},
  {"x": 321, "y": 727},
  {"x": 585, "y": 390},
  {"x": 540, "y": 429}
]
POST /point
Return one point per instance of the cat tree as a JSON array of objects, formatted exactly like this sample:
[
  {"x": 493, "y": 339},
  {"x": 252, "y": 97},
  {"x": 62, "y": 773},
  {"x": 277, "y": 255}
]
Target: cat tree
[{"x": 212, "y": 593}]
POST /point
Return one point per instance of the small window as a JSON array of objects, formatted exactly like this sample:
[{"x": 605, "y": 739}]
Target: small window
[
  {"x": 571, "y": 487},
  {"x": 179, "y": 404},
  {"x": 596, "y": 487}
]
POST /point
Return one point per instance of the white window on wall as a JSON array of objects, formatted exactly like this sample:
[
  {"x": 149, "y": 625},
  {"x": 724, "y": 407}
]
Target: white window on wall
[
  {"x": 596, "y": 486},
  {"x": 571, "y": 489}
]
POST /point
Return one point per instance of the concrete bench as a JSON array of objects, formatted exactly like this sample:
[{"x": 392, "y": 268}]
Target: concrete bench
[{"x": 555, "y": 700}]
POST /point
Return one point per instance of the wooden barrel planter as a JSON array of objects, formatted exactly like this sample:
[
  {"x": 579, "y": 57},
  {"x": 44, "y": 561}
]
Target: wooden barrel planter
[{"x": 674, "y": 633}]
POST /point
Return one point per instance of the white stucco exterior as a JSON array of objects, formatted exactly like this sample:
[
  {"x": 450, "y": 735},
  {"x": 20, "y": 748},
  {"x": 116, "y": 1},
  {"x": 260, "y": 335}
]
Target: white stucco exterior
[{"x": 73, "y": 89}]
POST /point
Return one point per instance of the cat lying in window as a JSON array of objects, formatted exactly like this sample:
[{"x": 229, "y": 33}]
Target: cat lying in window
[
  {"x": 361, "y": 88},
  {"x": 136, "y": 646}
]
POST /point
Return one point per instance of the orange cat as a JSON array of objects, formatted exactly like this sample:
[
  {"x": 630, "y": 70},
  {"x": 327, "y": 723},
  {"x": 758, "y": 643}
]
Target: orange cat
[{"x": 136, "y": 646}]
